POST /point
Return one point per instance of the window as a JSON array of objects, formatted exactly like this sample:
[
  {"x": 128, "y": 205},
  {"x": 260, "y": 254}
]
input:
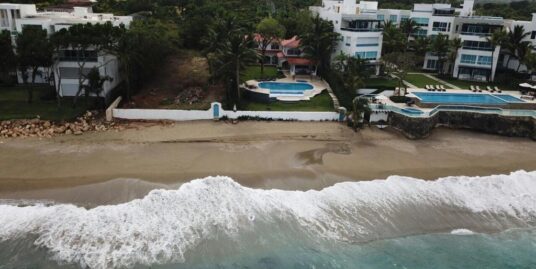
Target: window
[
  {"x": 274, "y": 46},
  {"x": 468, "y": 59},
  {"x": 477, "y": 45},
  {"x": 367, "y": 55},
  {"x": 421, "y": 21},
  {"x": 439, "y": 26},
  {"x": 380, "y": 17},
  {"x": 293, "y": 52},
  {"x": 485, "y": 60},
  {"x": 431, "y": 64},
  {"x": 533, "y": 35},
  {"x": 393, "y": 18},
  {"x": 420, "y": 32},
  {"x": 348, "y": 41},
  {"x": 367, "y": 45},
  {"x": 75, "y": 55},
  {"x": 404, "y": 18}
]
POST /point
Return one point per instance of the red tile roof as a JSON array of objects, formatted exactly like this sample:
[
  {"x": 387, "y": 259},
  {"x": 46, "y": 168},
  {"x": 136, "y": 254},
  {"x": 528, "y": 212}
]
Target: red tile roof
[
  {"x": 294, "y": 42},
  {"x": 299, "y": 61}
]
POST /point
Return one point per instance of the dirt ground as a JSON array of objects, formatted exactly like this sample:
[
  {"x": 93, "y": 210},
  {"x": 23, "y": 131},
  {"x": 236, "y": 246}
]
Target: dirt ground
[{"x": 183, "y": 71}]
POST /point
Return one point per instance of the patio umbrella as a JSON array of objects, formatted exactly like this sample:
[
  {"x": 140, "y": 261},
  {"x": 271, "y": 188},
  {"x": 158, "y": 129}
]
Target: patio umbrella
[{"x": 525, "y": 85}]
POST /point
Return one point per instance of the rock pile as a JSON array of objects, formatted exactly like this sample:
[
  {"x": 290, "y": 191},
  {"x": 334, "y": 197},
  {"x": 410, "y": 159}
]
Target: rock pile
[
  {"x": 43, "y": 128},
  {"x": 190, "y": 96}
]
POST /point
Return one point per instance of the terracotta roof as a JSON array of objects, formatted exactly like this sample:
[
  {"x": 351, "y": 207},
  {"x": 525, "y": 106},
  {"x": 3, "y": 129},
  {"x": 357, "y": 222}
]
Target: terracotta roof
[
  {"x": 294, "y": 42},
  {"x": 299, "y": 61}
]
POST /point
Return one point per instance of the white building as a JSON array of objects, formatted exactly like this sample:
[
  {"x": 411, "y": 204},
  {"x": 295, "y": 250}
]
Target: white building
[
  {"x": 530, "y": 28},
  {"x": 14, "y": 17},
  {"x": 359, "y": 26}
]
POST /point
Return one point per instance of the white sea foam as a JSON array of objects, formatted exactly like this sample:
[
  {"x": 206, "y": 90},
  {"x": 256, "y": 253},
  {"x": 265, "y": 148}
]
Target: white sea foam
[
  {"x": 164, "y": 225},
  {"x": 462, "y": 232}
]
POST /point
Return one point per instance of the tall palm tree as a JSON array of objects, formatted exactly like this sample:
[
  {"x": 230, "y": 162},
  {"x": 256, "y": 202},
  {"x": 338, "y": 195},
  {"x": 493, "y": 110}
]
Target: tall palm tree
[
  {"x": 496, "y": 39},
  {"x": 513, "y": 41},
  {"x": 455, "y": 45},
  {"x": 352, "y": 71},
  {"x": 523, "y": 50},
  {"x": 409, "y": 27},
  {"x": 235, "y": 54},
  {"x": 393, "y": 39},
  {"x": 319, "y": 42},
  {"x": 439, "y": 46},
  {"x": 360, "y": 106}
]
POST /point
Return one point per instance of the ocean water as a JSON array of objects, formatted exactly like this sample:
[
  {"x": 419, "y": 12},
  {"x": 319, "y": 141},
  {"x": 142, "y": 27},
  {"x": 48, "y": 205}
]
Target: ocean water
[{"x": 214, "y": 222}]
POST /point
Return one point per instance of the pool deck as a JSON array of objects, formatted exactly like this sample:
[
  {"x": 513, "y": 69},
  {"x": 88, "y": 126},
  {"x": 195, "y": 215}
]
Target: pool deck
[{"x": 318, "y": 86}]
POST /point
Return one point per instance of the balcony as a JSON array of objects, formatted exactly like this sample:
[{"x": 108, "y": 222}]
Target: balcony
[{"x": 361, "y": 29}]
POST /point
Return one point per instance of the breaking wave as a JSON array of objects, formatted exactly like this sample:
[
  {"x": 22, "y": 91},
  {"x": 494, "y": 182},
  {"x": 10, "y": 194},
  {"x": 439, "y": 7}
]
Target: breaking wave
[{"x": 168, "y": 226}]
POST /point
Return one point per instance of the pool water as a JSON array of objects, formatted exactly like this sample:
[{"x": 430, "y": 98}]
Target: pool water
[
  {"x": 286, "y": 87},
  {"x": 412, "y": 111},
  {"x": 463, "y": 98}
]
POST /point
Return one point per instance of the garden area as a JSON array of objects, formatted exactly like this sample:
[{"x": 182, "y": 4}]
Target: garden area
[
  {"x": 14, "y": 105},
  {"x": 321, "y": 102},
  {"x": 380, "y": 83},
  {"x": 421, "y": 80}
]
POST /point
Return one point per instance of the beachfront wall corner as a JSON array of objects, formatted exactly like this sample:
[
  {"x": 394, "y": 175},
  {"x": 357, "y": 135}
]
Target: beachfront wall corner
[
  {"x": 216, "y": 112},
  {"x": 109, "y": 110},
  {"x": 342, "y": 113}
]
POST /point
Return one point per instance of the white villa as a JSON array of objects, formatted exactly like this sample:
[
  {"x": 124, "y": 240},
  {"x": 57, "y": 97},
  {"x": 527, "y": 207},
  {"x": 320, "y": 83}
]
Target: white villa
[
  {"x": 14, "y": 17},
  {"x": 360, "y": 26}
]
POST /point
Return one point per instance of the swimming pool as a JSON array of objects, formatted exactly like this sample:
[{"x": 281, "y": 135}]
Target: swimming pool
[
  {"x": 412, "y": 111},
  {"x": 292, "y": 88},
  {"x": 468, "y": 99}
]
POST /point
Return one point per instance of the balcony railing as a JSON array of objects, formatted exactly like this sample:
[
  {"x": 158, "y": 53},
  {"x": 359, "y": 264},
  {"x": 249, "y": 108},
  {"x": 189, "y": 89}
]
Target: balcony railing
[{"x": 361, "y": 29}]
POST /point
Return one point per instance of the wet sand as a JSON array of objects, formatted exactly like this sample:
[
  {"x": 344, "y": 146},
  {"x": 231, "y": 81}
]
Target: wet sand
[{"x": 113, "y": 167}]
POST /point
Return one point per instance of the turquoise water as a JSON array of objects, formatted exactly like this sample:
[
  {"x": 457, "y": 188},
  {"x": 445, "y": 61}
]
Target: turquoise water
[
  {"x": 286, "y": 88},
  {"x": 214, "y": 222},
  {"x": 467, "y": 99}
]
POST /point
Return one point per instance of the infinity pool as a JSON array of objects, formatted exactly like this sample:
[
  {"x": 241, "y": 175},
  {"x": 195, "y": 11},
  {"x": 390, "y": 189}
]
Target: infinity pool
[
  {"x": 286, "y": 87},
  {"x": 467, "y": 99}
]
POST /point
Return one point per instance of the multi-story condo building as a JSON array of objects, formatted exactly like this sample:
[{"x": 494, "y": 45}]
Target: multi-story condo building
[
  {"x": 360, "y": 26},
  {"x": 530, "y": 28},
  {"x": 15, "y": 17}
]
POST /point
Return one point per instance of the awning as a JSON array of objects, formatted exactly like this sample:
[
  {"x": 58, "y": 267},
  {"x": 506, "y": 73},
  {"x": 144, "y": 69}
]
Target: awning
[
  {"x": 299, "y": 61},
  {"x": 525, "y": 85}
]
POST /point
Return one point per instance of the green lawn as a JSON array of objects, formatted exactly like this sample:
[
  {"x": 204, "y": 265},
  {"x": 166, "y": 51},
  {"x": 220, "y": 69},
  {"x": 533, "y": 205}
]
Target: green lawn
[
  {"x": 421, "y": 81},
  {"x": 14, "y": 105},
  {"x": 380, "y": 83},
  {"x": 321, "y": 102},
  {"x": 254, "y": 72},
  {"x": 466, "y": 84}
]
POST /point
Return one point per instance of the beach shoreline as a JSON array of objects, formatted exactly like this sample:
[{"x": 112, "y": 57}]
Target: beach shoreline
[{"x": 113, "y": 167}]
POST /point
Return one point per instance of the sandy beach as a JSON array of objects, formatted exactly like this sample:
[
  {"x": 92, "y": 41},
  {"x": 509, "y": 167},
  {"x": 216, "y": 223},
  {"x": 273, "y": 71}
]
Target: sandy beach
[{"x": 113, "y": 167}]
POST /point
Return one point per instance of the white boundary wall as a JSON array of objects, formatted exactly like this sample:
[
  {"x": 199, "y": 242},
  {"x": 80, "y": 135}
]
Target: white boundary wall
[{"x": 216, "y": 112}]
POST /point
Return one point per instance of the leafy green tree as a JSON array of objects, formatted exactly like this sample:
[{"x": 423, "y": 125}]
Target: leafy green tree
[
  {"x": 95, "y": 83},
  {"x": 268, "y": 31},
  {"x": 351, "y": 71},
  {"x": 8, "y": 60},
  {"x": 296, "y": 23},
  {"x": 439, "y": 46},
  {"x": 33, "y": 51},
  {"x": 360, "y": 106},
  {"x": 319, "y": 42}
]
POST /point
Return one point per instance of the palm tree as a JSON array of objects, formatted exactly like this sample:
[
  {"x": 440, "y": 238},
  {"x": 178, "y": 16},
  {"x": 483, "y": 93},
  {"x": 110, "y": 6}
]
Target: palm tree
[
  {"x": 360, "y": 106},
  {"x": 455, "y": 45},
  {"x": 497, "y": 38},
  {"x": 514, "y": 40},
  {"x": 235, "y": 54},
  {"x": 439, "y": 46},
  {"x": 393, "y": 39},
  {"x": 523, "y": 50},
  {"x": 319, "y": 42},
  {"x": 420, "y": 46},
  {"x": 409, "y": 27},
  {"x": 352, "y": 71}
]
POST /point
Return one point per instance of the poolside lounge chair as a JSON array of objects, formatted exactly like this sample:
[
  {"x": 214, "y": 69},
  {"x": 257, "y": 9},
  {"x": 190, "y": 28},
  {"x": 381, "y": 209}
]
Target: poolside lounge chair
[
  {"x": 490, "y": 89},
  {"x": 442, "y": 88},
  {"x": 527, "y": 97},
  {"x": 472, "y": 88},
  {"x": 497, "y": 89},
  {"x": 478, "y": 89}
]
